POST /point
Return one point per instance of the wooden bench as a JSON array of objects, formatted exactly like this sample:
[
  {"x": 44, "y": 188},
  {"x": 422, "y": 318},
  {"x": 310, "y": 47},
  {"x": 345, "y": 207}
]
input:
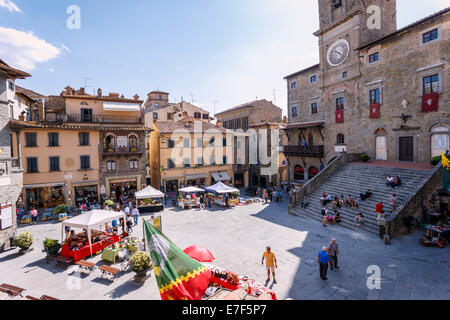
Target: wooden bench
[
  {"x": 109, "y": 270},
  {"x": 11, "y": 290},
  {"x": 84, "y": 265},
  {"x": 44, "y": 297},
  {"x": 64, "y": 260}
]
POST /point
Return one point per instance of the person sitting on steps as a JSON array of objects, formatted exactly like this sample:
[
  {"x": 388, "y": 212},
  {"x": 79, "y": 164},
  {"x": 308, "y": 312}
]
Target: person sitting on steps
[{"x": 367, "y": 195}]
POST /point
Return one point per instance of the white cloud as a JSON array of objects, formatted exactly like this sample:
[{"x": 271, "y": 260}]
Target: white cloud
[
  {"x": 51, "y": 70},
  {"x": 24, "y": 50},
  {"x": 11, "y": 6}
]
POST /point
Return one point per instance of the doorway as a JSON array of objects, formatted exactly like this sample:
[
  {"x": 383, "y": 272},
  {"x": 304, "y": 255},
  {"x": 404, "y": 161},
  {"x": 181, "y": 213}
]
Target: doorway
[
  {"x": 406, "y": 149},
  {"x": 381, "y": 150}
]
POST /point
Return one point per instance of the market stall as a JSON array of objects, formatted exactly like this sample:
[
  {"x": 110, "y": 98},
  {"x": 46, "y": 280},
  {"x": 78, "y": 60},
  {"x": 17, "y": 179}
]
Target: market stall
[
  {"x": 220, "y": 191},
  {"x": 227, "y": 285},
  {"x": 188, "y": 197},
  {"x": 150, "y": 200},
  {"x": 92, "y": 239},
  {"x": 436, "y": 236}
]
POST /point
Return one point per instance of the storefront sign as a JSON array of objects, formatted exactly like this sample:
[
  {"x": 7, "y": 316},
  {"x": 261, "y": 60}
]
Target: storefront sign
[
  {"x": 68, "y": 177},
  {"x": 157, "y": 223},
  {"x": 6, "y": 216}
]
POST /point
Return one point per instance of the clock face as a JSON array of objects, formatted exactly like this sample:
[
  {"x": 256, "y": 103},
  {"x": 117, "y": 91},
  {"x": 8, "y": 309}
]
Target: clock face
[{"x": 338, "y": 52}]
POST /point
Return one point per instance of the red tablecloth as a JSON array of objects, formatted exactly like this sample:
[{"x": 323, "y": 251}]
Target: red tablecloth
[{"x": 86, "y": 251}]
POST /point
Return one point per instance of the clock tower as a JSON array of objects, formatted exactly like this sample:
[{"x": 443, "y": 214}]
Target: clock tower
[{"x": 348, "y": 24}]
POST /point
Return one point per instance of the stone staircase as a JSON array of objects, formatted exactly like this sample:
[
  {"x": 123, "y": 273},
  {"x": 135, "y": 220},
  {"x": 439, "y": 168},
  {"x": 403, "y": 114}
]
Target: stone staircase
[{"x": 356, "y": 178}]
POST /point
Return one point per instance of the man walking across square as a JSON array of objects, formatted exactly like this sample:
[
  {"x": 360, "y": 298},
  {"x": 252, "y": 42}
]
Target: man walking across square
[
  {"x": 323, "y": 260},
  {"x": 271, "y": 263},
  {"x": 333, "y": 251}
]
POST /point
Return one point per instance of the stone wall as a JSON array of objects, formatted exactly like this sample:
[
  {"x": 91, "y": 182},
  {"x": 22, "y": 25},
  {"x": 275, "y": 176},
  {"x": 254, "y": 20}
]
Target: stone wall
[{"x": 413, "y": 206}]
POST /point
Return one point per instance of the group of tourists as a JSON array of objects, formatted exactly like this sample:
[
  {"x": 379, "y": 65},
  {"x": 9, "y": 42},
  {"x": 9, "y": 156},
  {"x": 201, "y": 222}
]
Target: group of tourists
[
  {"x": 330, "y": 217},
  {"x": 339, "y": 202},
  {"x": 273, "y": 195},
  {"x": 393, "y": 182}
]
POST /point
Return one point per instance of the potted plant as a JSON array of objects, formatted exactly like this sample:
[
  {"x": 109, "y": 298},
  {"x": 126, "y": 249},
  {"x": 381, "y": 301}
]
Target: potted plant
[
  {"x": 24, "y": 241},
  {"x": 62, "y": 208},
  {"x": 109, "y": 203},
  {"x": 140, "y": 263},
  {"x": 365, "y": 157},
  {"x": 435, "y": 160}
]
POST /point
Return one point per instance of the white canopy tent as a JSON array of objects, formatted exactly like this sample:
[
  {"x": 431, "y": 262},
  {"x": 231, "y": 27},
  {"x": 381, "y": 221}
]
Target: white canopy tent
[
  {"x": 90, "y": 220},
  {"x": 149, "y": 193},
  {"x": 221, "y": 188},
  {"x": 191, "y": 190}
]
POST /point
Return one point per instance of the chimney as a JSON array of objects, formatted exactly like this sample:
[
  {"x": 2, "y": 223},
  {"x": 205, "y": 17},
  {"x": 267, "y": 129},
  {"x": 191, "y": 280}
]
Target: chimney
[
  {"x": 122, "y": 97},
  {"x": 99, "y": 93},
  {"x": 69, "y": 90},
  {"x": 81, "y": 92},
  {"x": 114, "y": 95},
  {"x": 136, "y": 97}
]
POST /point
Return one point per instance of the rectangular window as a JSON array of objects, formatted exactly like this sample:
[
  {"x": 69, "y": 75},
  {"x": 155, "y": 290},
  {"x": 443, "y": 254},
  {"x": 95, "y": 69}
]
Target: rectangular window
[
  {"x": 431, "y": 84},
  {"x": 85, "y": 162},
  {"x": 294, "y": 85},
  {"x": 197, "y": 115},
  {"x": 111, "y": 166},
  {"x": 224, "y": 142},
  {"x": 430, "y": 35},
  {"x": 53, "y": 139},
  {"x": 212, "y": 141},
  {"x": 374, "y": 57},
  {"x": 11, "y": 85},
  {"x": 187, "y": 162},
  {"x": 199, "y": 161},
  {"x": 224, "y": 159},
  {"x": 155, "y": 115},
  {"x": 30, "y": 139},
  {"x": 344, "y": 74},
  {"x": 313, "y": 79},
  {"x": 11, "y": 112},
  {"x": 54, "y": 164},
  {"x": 314, "y": 109},
  {"x": 186, "y": 143},
  {"x": 375, "y": 96},
  {"x": 169, "y": 116},
  {"x": 32, "y": 165},
  {"x": 212, "y": 161},
  {"x": 295, "y": 112},
  {"x": 205, "y": 116},
  {"x": 133, "y": 164},
  {"x": 171, "y": 144},
  {"x": 340, "y": 103},
  {"x": 83, "y": 138},
  {"x": 171, "y": 164},
  {"x": 86, "y": 115}
]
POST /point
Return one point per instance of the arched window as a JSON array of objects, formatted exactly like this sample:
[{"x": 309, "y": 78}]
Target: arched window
[
  {"x": 133, "y": 143},
  {"x": 299, "y": 173},
  {"x": 439, "y": 140},
  {"x": 340, "y": 139},
  {"x": 133, "y": 164},
  {"x": 313, "y": 171},
  {"x": 301, "y": 141},
  {"x": 310, "y": 140},
  {"x": 110, "y": 143},
  {"x": 111, "y": 166}
]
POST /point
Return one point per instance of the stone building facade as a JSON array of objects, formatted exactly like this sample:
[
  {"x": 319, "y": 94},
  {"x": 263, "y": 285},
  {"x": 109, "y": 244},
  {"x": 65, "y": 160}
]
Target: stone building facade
[
  {"x": 11, "y": 173},
  {"x": 379, "y": 91}
]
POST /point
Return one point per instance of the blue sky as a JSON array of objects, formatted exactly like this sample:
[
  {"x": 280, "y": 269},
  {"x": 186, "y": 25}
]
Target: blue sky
[{"x": 230, "y": 51}]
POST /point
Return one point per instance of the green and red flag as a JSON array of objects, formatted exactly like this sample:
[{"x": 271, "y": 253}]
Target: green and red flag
[
  {"x": 179, "y": 277},
  {"x": 446, "y": 172}
]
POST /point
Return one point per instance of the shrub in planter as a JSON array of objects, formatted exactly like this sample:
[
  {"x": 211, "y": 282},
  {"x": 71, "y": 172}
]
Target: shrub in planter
[
  {"x": 365, "y": 157},
  {"x": 108, "y": 202},
  {"x": 140, "y": 262},
  {"x": 24, "y": 241},
  {"x": 435, "y": 160},
  {"x": 62, "y": 208},
  {"x": 51, "y": 246}
]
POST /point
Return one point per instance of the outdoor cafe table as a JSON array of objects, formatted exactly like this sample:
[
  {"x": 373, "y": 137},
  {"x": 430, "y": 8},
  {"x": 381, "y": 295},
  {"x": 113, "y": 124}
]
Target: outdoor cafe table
[{"x": 110, "y": 254}]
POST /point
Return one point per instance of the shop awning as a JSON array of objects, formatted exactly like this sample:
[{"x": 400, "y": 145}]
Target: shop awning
[
  {"x": 303, "y": 125},
  {"x": 149, "y": 193},
  {"x": 197, "y": 176},
  {"x": 173, "y": 177},
  {"x": 45, "y": 185},
  {"x": 120, "y": 106},
  {"x": 123, "y": 181},
  {"x": 221, "y": 176}
]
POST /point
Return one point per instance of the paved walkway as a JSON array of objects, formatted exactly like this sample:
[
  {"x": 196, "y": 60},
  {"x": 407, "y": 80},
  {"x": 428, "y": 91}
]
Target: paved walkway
[{"x": 238, "y": 237}]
